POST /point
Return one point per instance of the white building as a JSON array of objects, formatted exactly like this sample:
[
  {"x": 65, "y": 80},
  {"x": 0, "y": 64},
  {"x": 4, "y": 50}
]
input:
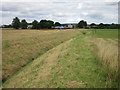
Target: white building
[
  {"x": 29, "y": 26},
  {"x": 70, "y": 26}
]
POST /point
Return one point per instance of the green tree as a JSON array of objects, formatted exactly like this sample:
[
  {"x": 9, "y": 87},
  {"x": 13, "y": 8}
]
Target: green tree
[
  {"x": 24, "y": 24},
  {"x": 35, "y": 24},
  {"x": 50, "y": 24},
  {"x": 114, "y": 26},
  {"x": 46, "y": 24},
  {"x": 42, "y": 24},
  {"x": 57, "y": 24},
  {"x": 82, "y": 24},
  {"x": 101, "y": 26},
  {"x": 16, "y": 23},
  {"x": 93, "y": 25}
]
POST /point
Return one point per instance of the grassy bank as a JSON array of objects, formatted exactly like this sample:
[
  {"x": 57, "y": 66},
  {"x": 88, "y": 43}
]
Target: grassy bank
[
  {"x": 69, "y": 65},
  {"x": 23, "y": 46},
  {"x": 105, "y": 46}
]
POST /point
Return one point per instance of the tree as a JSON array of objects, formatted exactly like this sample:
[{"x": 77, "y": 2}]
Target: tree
[
  {"x": 50, "y": 24},
  {"x": 35, "y": 24},
  {"x": 114, "y": 26},
  {"x": 7, "y": 26},
  {"x": 46, "y": 24},
  {"x": 93, "y": 25},
  {"x": 16, "y": 23},
  {"x": 82, "y": 24},
  {"x": 42, "y": 24},
  {"x": 101, "y": 26},
  {"x": 24, "y": 24},
  {"x": 57, "y": 24}
]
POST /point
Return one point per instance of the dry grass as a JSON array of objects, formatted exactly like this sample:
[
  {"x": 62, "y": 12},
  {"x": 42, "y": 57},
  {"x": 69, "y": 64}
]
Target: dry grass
[
  {"x": 107, "y": 52},
  {"x": 69, "y": 65},
  {"x": 39, "y": 69},
  {"x": 23, "y": 46}
]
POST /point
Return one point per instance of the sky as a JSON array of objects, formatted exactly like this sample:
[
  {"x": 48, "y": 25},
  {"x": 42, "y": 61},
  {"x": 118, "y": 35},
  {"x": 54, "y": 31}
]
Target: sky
[{"x": 63, "y": 11}]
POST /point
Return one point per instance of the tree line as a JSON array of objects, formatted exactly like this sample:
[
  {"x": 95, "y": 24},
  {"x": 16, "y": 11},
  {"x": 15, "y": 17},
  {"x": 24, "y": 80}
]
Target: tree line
[
  {"x": 43, "y": 24},
  {"x": 48, "y": 24},
  {"x": 104, "y": 26}
]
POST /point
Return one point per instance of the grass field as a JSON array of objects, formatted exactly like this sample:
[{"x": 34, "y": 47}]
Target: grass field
[
  {"x": 23, "y": 46},
  {"x": 83, "y": 60},
  {"x": 106, "y": 33}
]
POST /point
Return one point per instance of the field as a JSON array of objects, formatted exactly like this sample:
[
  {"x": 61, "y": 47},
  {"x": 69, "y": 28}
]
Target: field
[
  {"x": 60, "y": 58},
  {"x": 22, "y": 46},
  {"x": 106, "y": 43},
  {"x": 106, "y": 33}
]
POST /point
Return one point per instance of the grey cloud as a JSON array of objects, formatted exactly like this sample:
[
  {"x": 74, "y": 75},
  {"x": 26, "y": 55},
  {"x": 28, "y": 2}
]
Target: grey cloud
[
  {"x": 96, "y": 16},
  {"x": 62, "y": 11},
  {"x": 112, "y": 3}
]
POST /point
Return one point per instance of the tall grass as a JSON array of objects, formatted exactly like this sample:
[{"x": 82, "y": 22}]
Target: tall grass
[{"x": 107, "y": 52}]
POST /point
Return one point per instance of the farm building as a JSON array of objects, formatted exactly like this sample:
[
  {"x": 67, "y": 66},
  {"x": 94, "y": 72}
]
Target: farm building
[
  {"x": 65, "y": 26},
  {"x": 70, "y": 25}
]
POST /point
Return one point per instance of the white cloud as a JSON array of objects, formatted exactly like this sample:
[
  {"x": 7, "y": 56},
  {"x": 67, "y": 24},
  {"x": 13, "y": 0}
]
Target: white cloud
[
  {"x": 111, "y": 0},
  {"x": 60, "y": 0},
  {"x": 80, "y": 5},
  {"x": 60, "y": 10}
]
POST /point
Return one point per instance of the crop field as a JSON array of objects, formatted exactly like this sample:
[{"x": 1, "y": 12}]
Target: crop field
[{"x": 60, "y": 58}]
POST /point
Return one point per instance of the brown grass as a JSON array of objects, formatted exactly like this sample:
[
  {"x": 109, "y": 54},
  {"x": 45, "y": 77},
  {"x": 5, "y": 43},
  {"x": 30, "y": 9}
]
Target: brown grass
[
  {"x": 39, "y": 70},
  {"x": 23, "y": 46},
  {"x": 107, "y": 52}
]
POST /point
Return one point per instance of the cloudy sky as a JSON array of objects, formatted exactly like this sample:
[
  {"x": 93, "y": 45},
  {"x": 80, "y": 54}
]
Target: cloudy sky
[{"x": 63, "y": 11}]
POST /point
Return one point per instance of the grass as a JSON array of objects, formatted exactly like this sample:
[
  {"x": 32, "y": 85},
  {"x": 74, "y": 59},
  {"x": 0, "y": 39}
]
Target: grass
[
  {"x": 106, "y": 33},
  {"x": 107, "y": 52},
  {"x": 69, "y": 65},
  {"x": 23, "y": 46},
  {"x": 105, "y": 46}
]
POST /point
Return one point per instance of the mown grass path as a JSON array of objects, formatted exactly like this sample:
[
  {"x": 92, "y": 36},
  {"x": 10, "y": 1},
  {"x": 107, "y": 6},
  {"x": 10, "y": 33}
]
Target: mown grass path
[{"x": 69, "y": 65}]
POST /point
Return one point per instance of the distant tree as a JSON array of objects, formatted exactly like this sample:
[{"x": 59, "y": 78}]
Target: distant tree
[
  {"x": 107, "y": 26},
  {"x": 7, "y": 26},
  {"x": 114, "y": 26},
  {"x": 82, "y": 24},
  {"x": 50, "y": 24},
  {"x": 16, "y": 23},
  {"x": 46, "y": 24},
  {"x": 24, "y": 24},
  {"x": 57, "y": 24},
  {"x": 42, "y": 24},
  {"x": 101, "y": 26},
  {"x": 35, "y": 24},
  {"x": 93, "y": 25}
]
